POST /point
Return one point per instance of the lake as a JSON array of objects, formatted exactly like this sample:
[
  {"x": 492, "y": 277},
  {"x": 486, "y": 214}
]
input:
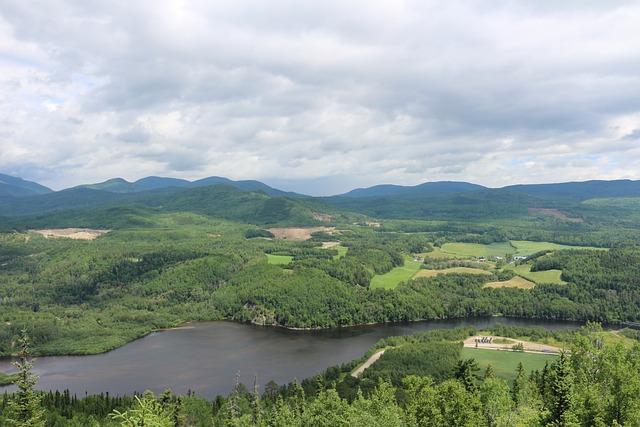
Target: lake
[{"x": 205, "y": 357}]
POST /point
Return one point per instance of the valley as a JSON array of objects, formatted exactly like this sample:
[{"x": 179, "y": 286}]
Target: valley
[{"x": 89, "y": 271}]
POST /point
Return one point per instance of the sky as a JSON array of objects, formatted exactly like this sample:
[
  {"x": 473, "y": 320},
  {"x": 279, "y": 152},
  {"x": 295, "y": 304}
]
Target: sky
[{"x": 320, "y": 97}]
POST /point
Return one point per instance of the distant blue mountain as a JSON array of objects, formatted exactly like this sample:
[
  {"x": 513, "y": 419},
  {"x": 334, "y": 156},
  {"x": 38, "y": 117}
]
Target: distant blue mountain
[
  {"x": 153, "y": 182},
  {"x": 581, "y": 190},
  {"x": 12, "y": 187},
  {"x": 119, "y": 185},
  {"x": 428, "y": 188}
]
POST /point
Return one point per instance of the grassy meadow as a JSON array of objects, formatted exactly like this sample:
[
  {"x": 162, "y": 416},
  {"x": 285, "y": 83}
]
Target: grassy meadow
[
  {"x": 478, "y": 250},
  {"x": 399, "y": 274},
  {"x": 342, "y": 251},
  {"x": 459, "y": 270},
  {"x": 514, "y": 282},
  {"x": 526, "y": 248},
  {"x": 524, "y": 270},
  {"x": 505, "y": 363},
  {"x": 279, "y": 259}
]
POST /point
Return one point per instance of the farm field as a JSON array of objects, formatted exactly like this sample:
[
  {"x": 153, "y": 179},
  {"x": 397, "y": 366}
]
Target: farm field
[
  {"x": 463, "y": 270},
  {"x": 526, "y": 248},
  {"x": 505, "y": 363},
  {"x": 437, "y": 253},
  {"x": 517, "y": 247},
  {"x": 478, "y": 250},
  {"x": 279, "y": 259},
  {"x": 515, "y": 282},
  {"x": 548, "y": 276},
  {"x": 399, "y": 274}
]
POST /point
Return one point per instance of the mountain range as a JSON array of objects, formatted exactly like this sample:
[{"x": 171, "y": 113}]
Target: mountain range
[{"x": 254, "y": 201}]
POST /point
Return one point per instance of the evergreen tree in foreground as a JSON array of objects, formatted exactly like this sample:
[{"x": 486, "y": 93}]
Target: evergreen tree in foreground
[{"x": 25, "y": 408}]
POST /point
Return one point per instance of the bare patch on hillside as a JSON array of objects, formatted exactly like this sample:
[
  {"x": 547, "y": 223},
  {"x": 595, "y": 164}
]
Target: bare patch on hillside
[
  {"x": 554, "y": 212},
  {"x": 322, "y": 216},
  {"x": 72, "y": 233},
  {"x": 326, "y": 245},
  {"x": 297, "y": 234}
]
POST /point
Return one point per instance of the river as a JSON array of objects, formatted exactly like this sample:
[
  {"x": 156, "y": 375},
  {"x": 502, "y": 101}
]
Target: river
[{"x": 205, "y": 357}]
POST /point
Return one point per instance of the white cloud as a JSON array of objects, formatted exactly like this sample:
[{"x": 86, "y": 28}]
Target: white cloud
[{"x": 345, "y": 93}]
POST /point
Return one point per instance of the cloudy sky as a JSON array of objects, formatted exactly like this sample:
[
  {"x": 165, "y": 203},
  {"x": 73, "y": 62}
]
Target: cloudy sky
[{"x": 320, "y": 96}]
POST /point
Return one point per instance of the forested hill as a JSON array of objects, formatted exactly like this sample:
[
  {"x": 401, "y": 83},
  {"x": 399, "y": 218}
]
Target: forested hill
[
  {"x": 119, "y": 185},
  {"x": 581, "y": 190},
  {"x": 574, "y": 203},
  {"x": 428, "y": 188},
  {"x": 94, "y": 208},
  {"x": 12, "y": 187},
  {"x": 578, "y": 191}
]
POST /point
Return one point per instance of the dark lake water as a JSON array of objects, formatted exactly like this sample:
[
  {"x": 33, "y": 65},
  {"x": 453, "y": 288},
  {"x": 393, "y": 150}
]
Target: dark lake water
[{"x": 205, "y": 357}]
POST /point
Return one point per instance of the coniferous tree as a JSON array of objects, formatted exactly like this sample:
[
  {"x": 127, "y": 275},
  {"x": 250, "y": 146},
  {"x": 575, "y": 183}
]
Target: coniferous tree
[{"x": 25, "y": 408}]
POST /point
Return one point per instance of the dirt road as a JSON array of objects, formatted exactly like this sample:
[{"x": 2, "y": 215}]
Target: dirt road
[
  {"x": 527, "y": 345},
  {"x": 368, "y": 363}
]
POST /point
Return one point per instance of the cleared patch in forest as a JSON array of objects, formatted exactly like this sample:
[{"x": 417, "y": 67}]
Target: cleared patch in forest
[
  {"x": 342, "y": 251},
  {"x": 515, "y": 282},
  {"x": 505, "y": 363},
  {"x": 279, "y": 259},
  {"x": 438, "y": 254},
  {"x": 393, "y": 278},
  {"x": 526, "y": 248},
  {"x": 72, "y": 233},
  {"x": 547, "y": 276},
  {"x": 478, "y": 250},
  {"x": 462, "y": 270},
  {"x": 298, "y": 234}
]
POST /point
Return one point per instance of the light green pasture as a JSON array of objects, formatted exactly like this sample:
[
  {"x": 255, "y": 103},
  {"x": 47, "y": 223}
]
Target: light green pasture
[
  {"x": 399, "y": 274},
  {"x": 478, "y": 250},
  {"x": 525, "y": 248},
  {"x": 279, "y": 259},
  {"x": 463, "y": 270},
  {"x": 505, "y": 363},
  {"x": 524, "y": 270},
  {"x": 342, "y": 251},
  {"x": 514, "y": 282}
]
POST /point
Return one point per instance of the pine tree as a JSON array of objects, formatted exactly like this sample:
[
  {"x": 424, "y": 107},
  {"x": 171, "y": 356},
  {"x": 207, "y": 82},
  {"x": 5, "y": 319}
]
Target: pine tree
[
  {"x": 519, "y": 385},
  {"x": 488, "y": 373},
  {"x": 25, "y": 409},
  {"x": 561, "y": 392}
]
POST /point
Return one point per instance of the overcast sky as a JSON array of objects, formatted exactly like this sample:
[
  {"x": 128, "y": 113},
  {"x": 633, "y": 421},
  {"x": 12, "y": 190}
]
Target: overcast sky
[{"x": 320, "y": 97}]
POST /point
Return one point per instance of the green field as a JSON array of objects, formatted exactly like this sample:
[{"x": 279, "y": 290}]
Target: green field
[
  {"x": 478, "y": 250},
  {"x": 460, "y": 270},
  {"x": 526, "y": 248},
  {"x": 342, "y": 251},
  {"x": 505, "y": 363},
  {"x": 399, "y": 274},
  {"x": 279, "y": 259},
  {"x": 524, "y": 270},
  {"x": 437, "y": 253},
  {"x": 518, "y": 247},
  {"x": 514, "y": 282}
]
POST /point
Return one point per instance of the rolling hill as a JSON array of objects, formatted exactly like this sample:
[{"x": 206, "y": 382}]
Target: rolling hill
[
  {"x": 13, "y": 187},
  {"x": 255, "y": 202}
]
